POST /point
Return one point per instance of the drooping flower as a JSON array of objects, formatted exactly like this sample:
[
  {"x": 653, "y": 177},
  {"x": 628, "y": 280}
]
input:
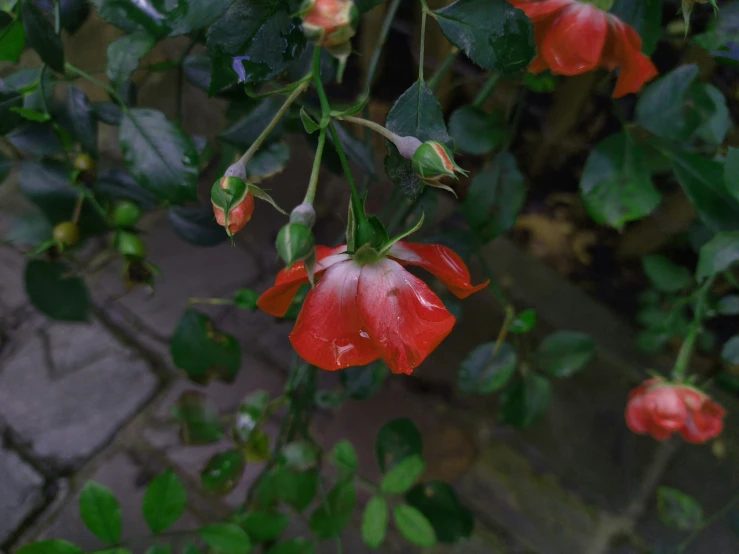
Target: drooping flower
[
  {"x": 329, "y": 23},
  {"x": 233, "y": 203},
  {"x": 574, "y": 37},
  {"x": 359, "y": 312},
  {"x": 659, "y": 408}
]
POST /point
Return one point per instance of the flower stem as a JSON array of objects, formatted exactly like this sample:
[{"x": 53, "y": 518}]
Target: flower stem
[
  {"x": 423, "y": 41},
  {"x": 271, "y": 125},
  {"x": 680, "y": 371},
  {"x": 107, "y": 88},
  {"x": 384, "y": 31},
  {"x": 356, "y": 201},
  {"x": 376, "y": 127},
  {"x": 486, "y": 90},
  {"x": 325, "y": 107},
  {"x": 310, "y": 194},
  {"x": 443, "y": 68}
]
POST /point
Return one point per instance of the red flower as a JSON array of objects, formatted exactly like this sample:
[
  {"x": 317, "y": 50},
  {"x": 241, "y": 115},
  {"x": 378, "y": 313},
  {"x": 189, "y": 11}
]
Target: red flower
[
  {"x": 360, "y": 312},
  {"x": 574, "y": 37},
  {"x": 659, "y": 408}
]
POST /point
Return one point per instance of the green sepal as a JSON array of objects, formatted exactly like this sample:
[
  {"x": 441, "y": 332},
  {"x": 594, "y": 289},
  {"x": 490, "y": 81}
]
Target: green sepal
[
  {"x": 309, "y": 124},
  {"x": 262, "y": 195},
  {"x": 357, "y": 107},
  {"x": 294, "y": 243},
  {"x": 226, "y": 193},
  {"x": 400, "y": 236}
]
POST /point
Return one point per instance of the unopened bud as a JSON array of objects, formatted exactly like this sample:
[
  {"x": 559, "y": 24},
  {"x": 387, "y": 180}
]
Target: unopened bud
[
  {"x": 233, "y": 203},
  {"x": 294, "y": 243},
  {"x": 433, "y": 161},
  {"x": 304, "y": 214},
  {"x": 329, "y": 23},
  {"x": 130, "y": 245},
  {"x": 66, "y": 234},
  {"x": 126, "y": 214}
]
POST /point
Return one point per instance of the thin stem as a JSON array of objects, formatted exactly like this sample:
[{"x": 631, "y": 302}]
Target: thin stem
[
  {"x": 423, "y": 41},
  {"x": 679, "y": 372},
  {"x": 486, "y": 90},
  {"x": 310, "y": 194},
  {"x": 356, "y": 201},
  {"x": 325, "y": 107},
  {"x": 77, "y": 208},
  {"x": 271, "y": 125},
  {"x": 377, "y": 128},
  {"x": 707, "y": 523},
  {"x": 384, "y": 31},
  {"x": 211, "y": 301},
  {"x": 107, "y": 88},
  {"x": 443, "y": 68}
]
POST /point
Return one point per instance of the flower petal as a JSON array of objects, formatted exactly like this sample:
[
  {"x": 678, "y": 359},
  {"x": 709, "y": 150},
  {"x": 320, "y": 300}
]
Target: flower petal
[
  {"x": 276, "y": 299},
  {"x": 441, "y": 261},
  {"x": 636, "y": 417},
  {"x": 623, "y": 50},
  {"x": 405, "y": 320},
  {"x": 575, "y": 40},
  {"x": 328, "y": 331}
]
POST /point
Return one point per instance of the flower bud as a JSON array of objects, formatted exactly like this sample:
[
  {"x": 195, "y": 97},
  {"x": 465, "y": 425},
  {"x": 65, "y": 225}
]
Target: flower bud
[
  {"x": 130, "y": 245},
  {"x": 233, "y": 203},
  {"x": 85, "y": 169},
  {"x": 305, "y": 214},
  {"x": 294, "y": 243},
  {"x": 329, "y": 23},
  {"x": 126, "y": 214},
  {"x": 433, "y": 161},
  {"x": 66, "y": 234}
]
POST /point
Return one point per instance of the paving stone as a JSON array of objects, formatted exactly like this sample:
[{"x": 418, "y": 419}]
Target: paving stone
[
  {"x": 128, "y": 482},
  {"x": 21, "y": 492},
  {"x": 67, "y": 388},
  {"x": 12, "y": 290}
]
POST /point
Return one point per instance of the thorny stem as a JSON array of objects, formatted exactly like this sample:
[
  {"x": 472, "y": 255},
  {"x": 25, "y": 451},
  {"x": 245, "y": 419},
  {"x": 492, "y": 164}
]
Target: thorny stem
[
  {"x": 679, "y": 372},
  {"x": 443, "y": 68},
  {"x": 310, "y": 194},
  {"x": 377, "y": 128}
]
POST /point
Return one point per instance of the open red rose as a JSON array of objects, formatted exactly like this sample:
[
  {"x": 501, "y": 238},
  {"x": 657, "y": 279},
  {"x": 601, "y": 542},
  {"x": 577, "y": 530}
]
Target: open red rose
[
  {"x": 574, "y": 37},
  {"x": 358, "y": 313},
  {"x": 659, "y": 408}
]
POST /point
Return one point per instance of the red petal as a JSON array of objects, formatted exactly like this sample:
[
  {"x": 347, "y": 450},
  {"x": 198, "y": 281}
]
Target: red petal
[
  {"x": 441, "y": 261},
  {"x": 575, "y": 40},
  {"x": 636, "y": 417},
  {"x": 665, "y": 407},
  {"x": 623, "y": 50},
  {"x": 328, "y": 332},
  {"x": 538, "y": 10},
  {"x": 405, "y": 320},
  {"x": 276, "y": 299}
]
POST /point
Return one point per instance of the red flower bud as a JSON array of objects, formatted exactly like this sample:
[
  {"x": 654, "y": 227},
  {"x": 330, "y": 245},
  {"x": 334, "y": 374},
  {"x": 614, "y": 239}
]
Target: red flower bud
[
  {"x": 329, "y": 22},
  {"x": 659, "y": 408},
  {"x": 233, "y": 203}
]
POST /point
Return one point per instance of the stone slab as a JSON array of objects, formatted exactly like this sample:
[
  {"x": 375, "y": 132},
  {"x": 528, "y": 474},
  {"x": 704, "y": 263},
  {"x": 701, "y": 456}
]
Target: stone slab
[
  {"x": 12, "y": 290},
  {"x": 21, "y": 492},
  {"x": 66, "y": 389}
]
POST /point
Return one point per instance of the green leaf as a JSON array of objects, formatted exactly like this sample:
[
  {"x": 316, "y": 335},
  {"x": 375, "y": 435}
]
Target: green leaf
[
  {"x": 164, "y": 501},
  {"x": 159, "y": 155},
  {"x": 100, "y": 512},
  {"x": 374, "y": 521},
  {"x": 202, "y": 351},
  {"x": 661, "y": 106},
  {"x": 124, "y": 55},
  {"x": 710, "y": 105},
  {"x": 645, "y": 16},
  {"x": 200, "y": 14},
  {"x": 199, "y": 420},
  {"x": 728, "y": 305},
  {"x": 9, "y": 98},
  {"x": 483, "y": 371},
  {"x": 55, "y": 289},
  {"x": 413, "y": 525},
  {"x": 300, "y": 455},
  {"x": 524, "y": 322},
  {"x": 49, "y": 546},
  {"x": 12, "y": 41},
  {"x": 225, "y": 538},
  {"x": 523, "y": 401},
  {"x": 396, "y": 440},
  {"x": 679, "y": 510},
  {"x": 264, "y": 526},
  {"x": 136, "y": 16},
  {"x": 268, "y": 161},
  {"x": 476, "y": 132},
  {"x": 190, "y": 548},
  {"x": 401, "y": 476},
  {"x": 36, "y": 139},
  {"x": 345, "y": 458},
  {"x": 363, "y": 382},
  {"x": 731, "y": 171},
  {"x": 494, "y": 34},
  {"x": 246, "y": 298},
  {"x": 438, "y": 502},
  {"x": 159, "y": 549},
  {"x": 335, "y": 512},
  {"x": 309, "y": 124},
  {"x": 31, "y": 115},
  {"x": 82, "y": 120},
  {"x": 223, "y": 471},
  {"x": 495, "y": 196},
  {"x": 196, "y": 225},
  {"x": 665, "y": 274},
  {"x": 616, "y": 186},
  {"x": 730, "y": 350},
  {"x": 296, "y": 488},
  {"x": 253, "y": 42},
  {"x": 564, "y": 353},
  {"x": 41, "y": 37},
  {"x": 108, "y": 112},
  {"x": 718, "y": 254},
  {"x": 293, "y": 546}
]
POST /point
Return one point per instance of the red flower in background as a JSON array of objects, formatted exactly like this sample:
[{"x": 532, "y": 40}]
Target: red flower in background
[
  {"x": 358, "y": 313},
  {"x": 659, "y": 408},
  {"x": 574, "y": 37}
]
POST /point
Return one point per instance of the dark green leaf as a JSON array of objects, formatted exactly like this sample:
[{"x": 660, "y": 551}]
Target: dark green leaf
[
  {"x": 32, "y": 115},
  {"x": 82, "y": 121},
  {"x": 117, "y": 184},
  {"x": 665, "y": 274},
  {"x": 251, "y": 413},
  {"x": 713, "y": 113},
  {"x": 12, "y": 41},
  {"x": 296, "y": 488},
  {"x": 293, "y": 546},
  {"x": 264, "y": 526},
  {"x": 72, "y": 14},
  {"x": 28, "y": 230},
  {"x": 616, "y": 186},
  {"x": 124, "y": 55},
  {"x": 345, "y": 458},
  {"x": 36, "y": 139},
  {"x": 108, "y": 112},
  {"x": 402, "y": 475},
  {"x": 476, "y": 132},
  {"x": 718, "y": 254},
  {"x": 374, "y": 521},
  {"x": 41, "y": 37},
  {"x": 483, "y": 371},
  {"x": 677, "y": 509},
  {"x": 268, "y": 161},
  {"x": 396, "y": 440},
  {"x": 495, "y": 197},
  {"x": 246, "y": 130},
  {"x": 9, "y": 98},
  {"x": 662, "y": 109},
  {"x": 223, "y": 471},
  {"x": 190, "y": 548},
  {"x": 159, "y": 155},
  {"x": 142, "y": 15},
  {"x": 494, "y": 34},
  {"x": 645, "y": 16},
  {"x": 164, "y": 501},
  {"x": 225, "y": 538},
  {"x": 524, "y": 322},
  {"x": 363, "y": 382},
  {"x": 524, "y": 400},
  {"x": 246, "y": 299},
  {"x": 730, "y": 350},
  {"x": 200, "y": 14},
  {"x": 564, "y": 353},
  {"x": 334, "y": 514},
  {"x": 6, "y": 164},
  {"x": 49, "y": 546},
  {"x": 100, "y": 512},
  {"x": 199, "y": 420},
  {"x": 203, "y": 351},
  {"x": 300, "y": 455},
  {"x": 413, "y": 525},
  {"x": 55, "y": 289},
  {"x": 196, "y": 225},
  {"x": 197, "y": 71},
  {"x": 438, "y": 502},
  {"x": 728, "y": 305},
  {"x": 253, "y": 42}
]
